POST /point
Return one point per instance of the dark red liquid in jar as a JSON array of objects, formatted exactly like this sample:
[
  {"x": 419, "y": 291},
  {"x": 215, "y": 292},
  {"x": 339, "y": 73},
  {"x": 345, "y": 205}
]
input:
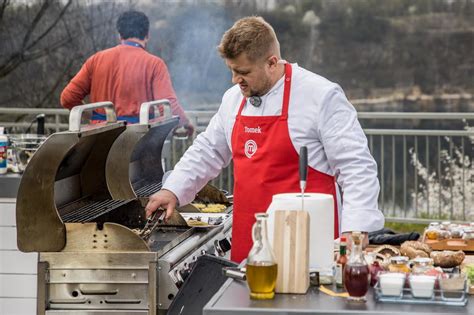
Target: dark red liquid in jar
[{"x": 356, "y": 279}]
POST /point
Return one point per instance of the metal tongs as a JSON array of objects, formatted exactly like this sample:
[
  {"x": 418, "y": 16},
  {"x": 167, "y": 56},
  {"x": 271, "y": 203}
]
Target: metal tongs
[{"x": 151, "y": 223}]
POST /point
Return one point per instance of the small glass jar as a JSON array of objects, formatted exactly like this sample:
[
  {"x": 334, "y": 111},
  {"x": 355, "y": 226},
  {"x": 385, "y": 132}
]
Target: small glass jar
[
  {"x": 453, "y": 286},
  {"x": 444, "y": 234},
  {"x": 456, "y": 232},
  {"x": 399, "y": 264},
  {"x": 421, "y": 265},
  {"x": 445, "y": 225},
  {"x": 422, "y": 286},
  {"x": 434, "y": 224},
  {"x": 432, "y": 233},
  {"x": 468, "y": 234},
  {"x": 391, "y": 283}
]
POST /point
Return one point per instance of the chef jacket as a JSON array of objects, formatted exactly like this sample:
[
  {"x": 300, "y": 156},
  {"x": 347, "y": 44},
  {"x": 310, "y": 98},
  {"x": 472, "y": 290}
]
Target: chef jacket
[{"x": 321, "y": 118}]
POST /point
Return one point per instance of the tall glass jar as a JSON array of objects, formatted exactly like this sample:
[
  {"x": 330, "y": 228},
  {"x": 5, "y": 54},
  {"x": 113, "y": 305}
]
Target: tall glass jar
[
  {"x": 261, "y": 265},
  {"x": 356, "y": 272}
]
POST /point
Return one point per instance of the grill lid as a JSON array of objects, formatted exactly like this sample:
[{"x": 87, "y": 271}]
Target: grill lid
[
  {"x": 68, "y": 166},
  {"x": 134, "y": 168}
]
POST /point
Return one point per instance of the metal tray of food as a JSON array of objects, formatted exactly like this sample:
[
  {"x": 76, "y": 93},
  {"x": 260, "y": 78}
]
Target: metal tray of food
[{"x": 204, "y": 220}]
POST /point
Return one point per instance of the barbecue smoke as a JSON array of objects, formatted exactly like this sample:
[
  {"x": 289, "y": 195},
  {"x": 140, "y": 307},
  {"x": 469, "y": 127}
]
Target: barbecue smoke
[{"x": 187, "y": 38}]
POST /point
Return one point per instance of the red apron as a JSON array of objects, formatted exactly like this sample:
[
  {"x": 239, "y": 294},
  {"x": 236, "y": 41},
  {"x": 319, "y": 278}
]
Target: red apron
[{"x": 265, "y": 164}]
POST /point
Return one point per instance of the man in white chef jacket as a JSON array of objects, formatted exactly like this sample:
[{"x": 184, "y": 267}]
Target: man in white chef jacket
[{"x": 273, "y": 109}]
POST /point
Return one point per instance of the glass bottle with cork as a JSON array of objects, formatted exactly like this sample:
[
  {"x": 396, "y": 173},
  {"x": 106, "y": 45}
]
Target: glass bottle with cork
[
  {"x": 341, "y": 263},
  {"x": 356, "y": 272},
  {"x": 261, "y": 269}
]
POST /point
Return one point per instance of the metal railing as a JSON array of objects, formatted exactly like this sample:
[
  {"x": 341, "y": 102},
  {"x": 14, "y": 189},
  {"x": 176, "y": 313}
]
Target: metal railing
[{"x": 423, "y": 173}]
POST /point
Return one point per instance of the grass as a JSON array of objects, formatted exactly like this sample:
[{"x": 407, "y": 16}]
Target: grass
[{"x": 405, "y": 227}]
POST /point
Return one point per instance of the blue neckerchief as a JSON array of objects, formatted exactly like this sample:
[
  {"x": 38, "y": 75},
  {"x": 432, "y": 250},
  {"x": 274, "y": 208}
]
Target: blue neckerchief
[{"x": 134, "y": 44}]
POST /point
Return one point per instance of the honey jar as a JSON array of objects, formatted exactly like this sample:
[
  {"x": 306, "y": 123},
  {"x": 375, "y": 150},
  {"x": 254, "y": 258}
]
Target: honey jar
[
  {"x": 399, "y": 264},
  {"x": 432, "y": 233}
]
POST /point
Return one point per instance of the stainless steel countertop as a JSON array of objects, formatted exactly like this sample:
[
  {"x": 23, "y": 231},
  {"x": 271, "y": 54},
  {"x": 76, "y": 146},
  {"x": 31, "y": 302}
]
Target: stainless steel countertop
[{"x": 233, "y": 298}]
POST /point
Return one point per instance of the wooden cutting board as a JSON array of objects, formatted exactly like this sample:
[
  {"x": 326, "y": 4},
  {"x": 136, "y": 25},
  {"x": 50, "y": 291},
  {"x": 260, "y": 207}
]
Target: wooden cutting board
[{"x": 291, "y": 248}]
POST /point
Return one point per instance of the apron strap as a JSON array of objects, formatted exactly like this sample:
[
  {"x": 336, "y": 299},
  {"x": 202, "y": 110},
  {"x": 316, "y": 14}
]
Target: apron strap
[
  {"x": 244, "y": 101},
  {"x": 286, "y": 93}
]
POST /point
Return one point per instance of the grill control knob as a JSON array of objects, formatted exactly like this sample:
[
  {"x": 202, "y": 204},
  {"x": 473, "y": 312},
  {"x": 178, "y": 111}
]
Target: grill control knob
[
  {"x": 222, "y": 246},
  {"x": 184, "y": 274}
]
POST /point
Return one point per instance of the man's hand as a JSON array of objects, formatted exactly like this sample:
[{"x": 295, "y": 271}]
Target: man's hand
[
  {"x": 163, "y": 198},
  {"x": 365, "y": 241},
  {"x": 185, "y": 131},
  {"x": 190, "y": 129}
]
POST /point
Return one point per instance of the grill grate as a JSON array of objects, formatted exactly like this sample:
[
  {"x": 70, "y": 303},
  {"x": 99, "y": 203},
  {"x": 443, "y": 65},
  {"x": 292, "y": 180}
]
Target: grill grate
[
  {"x": 148, "y": 190},
  {"x": 92, "y": 211}
]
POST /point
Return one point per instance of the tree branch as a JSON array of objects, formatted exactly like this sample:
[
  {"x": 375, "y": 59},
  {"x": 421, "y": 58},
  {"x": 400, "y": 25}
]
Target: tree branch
[
  {"x": 56, "y": 84},
  {"x": 53, "y": 25},
  {"x": 3, "y": 5},
  {"x": 33, "y": 24}
]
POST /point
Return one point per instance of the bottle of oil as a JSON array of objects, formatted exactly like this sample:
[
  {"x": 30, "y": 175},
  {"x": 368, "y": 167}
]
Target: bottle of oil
[{"x": 261, "y": 265}]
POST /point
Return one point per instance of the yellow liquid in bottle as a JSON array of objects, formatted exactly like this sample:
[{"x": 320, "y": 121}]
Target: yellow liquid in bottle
[{"x": 261, "y": 279}]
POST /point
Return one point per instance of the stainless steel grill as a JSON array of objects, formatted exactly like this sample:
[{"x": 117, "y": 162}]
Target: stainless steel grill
[
  {"x": 148, "y": 190},
  {"x": 92, "y": 211},
  {"x": 90, "y": 185}
]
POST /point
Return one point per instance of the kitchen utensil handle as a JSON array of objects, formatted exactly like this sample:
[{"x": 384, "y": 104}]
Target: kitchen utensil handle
[
  {"x": 303, "y": 166},
  {"x": 234, "y": 273},
  {"x": 85, "y": 291},
  {"x": 145, "y": 110},
  {"x": 75, "y": 116}
]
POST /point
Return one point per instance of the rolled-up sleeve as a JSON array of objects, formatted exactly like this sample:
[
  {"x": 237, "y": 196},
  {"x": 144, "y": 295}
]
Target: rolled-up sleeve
[
  {"x": 202, "y": 162},
  {"x": 348, "y": 155}
]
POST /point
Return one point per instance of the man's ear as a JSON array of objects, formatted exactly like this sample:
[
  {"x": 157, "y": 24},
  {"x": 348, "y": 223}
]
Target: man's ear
[{"x": 272, "y": 61}]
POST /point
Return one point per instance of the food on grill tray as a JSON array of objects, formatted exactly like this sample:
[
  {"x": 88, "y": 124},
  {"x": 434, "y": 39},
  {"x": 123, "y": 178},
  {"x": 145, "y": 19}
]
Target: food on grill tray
[
  {"x": 193, "y": 222},
  {"x": 203, "y": 221},
  {"x": 136, "y": 231},
  {"x": 210, "y": 208},
  {"x": 413, "y": 249},
  {"x": 447, "y": 258}
]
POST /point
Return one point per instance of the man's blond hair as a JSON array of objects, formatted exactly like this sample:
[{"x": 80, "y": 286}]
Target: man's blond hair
[{"x": 252, "y": 35}]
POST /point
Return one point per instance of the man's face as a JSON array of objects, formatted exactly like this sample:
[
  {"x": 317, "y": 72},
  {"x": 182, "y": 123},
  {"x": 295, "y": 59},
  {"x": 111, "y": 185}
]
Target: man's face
[{"x": 253, "y": 77}]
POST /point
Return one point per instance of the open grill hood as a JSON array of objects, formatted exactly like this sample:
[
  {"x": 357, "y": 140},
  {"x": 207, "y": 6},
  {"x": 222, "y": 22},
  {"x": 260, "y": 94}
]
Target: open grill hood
[{"x": 80, "y": 175}]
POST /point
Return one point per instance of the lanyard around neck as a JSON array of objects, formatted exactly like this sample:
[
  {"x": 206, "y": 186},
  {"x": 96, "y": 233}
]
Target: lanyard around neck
[{"x": 134, "y": 44}]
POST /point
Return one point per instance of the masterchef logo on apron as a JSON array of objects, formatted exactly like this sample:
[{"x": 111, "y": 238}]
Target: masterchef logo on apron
[{"x": 250, "y": 148}]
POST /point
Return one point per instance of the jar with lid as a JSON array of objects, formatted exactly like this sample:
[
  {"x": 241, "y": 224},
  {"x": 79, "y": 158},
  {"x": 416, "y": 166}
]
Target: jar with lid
[
  {"x": 421, "y": 265},
  {"x": 445, "y": 225},
  {"x": 456, "y": 232},
  {"x": 468, "y": 234},
  {"x": 434, "y": 224},
  {"x": 444, "y": 234},
  {"x": 432, "y": 233},
  {"x": 399, "y": 264}
]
